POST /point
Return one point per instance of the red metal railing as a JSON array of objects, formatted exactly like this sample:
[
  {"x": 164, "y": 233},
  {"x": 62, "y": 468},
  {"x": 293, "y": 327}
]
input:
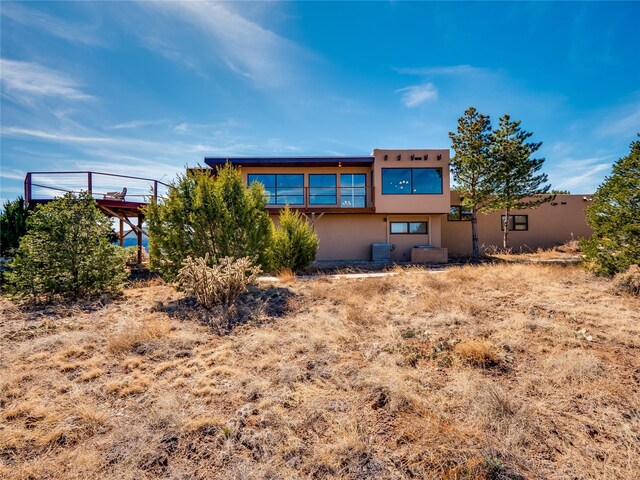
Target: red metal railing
[
  {"x": 97, "y": 184},
  {"x": 322, "y": 198}
]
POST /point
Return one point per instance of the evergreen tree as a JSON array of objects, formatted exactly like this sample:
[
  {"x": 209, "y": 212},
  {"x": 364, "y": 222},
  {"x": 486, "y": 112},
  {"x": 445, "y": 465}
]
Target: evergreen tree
[
  {"x": 471, "y": 165},
  {"x": 516, "y": 183},
  {"x": 205, "y": 214},
  {"x": 294, "y": 242},
  {"x": 614, "y": 216},
  {"x": 66, "y": 252},
  {"x": 13, "y": 225}
]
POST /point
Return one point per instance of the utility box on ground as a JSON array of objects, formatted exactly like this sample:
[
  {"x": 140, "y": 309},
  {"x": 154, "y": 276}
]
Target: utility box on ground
[
  {"x": 381, "y": 252},
  {"x": 428, "y": 254}
]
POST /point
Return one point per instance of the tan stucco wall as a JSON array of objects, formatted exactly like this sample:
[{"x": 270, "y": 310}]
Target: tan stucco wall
[
  {"x": 349, "y": 236},
  {"x": 411, "y": 203},
  {"x": 549, "y": 226}
]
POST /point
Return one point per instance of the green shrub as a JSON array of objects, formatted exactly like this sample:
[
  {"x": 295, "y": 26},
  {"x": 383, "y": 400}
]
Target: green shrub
[
  {"x": 208, "y": 216},
  {"x": 66, "y": 252},
  {"x": 294, "y": 242},
  {"x": 13, "y": 225},
  {"x": 221, "y": 284},
  {"x": 614, "y": 216}
]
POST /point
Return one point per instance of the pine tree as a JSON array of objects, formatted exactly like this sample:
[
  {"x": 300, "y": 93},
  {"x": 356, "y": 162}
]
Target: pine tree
[
  {"x": 295, "y": 243},
  {"x": 516, "y": 183},
  {"x": 614, "y": 216},
  {"x": 66, "y": 252},
  {"x": 471, "y": 165},
  {"x": 13, "y": 225},
  {"x": 208, "y": 215}
]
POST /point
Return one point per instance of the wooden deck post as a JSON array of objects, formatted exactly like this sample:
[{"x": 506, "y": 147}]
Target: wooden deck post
[
  {"x": 89, "y": 183},
  {"x": 121, "y": 232},
  {"x": 139, "y": 235}
]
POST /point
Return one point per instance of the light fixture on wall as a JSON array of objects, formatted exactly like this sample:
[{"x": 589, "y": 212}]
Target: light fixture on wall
[
  {"x": 385, "y": 157},
  {"x": 399, "y": 157},
  {"x": 439, "y": 157},
  {"x": 413, "y": 157},
  {"x": 339, "y": 164},
  {"x": 426, "y": 156}
]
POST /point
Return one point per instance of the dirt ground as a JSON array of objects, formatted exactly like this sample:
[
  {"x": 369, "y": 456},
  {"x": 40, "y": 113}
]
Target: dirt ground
[{"x": 498, "y": 371}]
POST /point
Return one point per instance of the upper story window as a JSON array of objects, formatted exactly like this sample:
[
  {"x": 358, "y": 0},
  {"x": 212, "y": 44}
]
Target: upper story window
[
  {"x": 459, "y": 213},
  {"x": 353, "y": 190},
  {"x": 516, "y": 222},
  {"x": 408, "y": 181},
  {"x": 282, "y": 189},
  {"x": 322, "y": 189}
]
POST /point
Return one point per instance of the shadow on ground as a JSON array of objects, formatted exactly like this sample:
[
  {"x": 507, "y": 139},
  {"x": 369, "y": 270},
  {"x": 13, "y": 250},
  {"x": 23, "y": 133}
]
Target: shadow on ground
[{"x": 256, "y": 306}]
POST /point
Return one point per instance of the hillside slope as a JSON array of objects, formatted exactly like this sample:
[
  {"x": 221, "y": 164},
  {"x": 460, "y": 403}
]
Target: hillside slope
[{"x": 507, "y": 371}]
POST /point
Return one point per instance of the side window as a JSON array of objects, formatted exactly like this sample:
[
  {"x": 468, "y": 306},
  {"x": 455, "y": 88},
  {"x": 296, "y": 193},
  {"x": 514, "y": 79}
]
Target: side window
[
  {"x": 411, "y": 228},
  {"x": 516, "y": 222}
]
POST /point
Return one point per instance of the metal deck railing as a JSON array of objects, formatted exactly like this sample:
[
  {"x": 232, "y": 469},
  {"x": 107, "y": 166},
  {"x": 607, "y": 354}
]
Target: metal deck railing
[{"x": 44, "y": 186}]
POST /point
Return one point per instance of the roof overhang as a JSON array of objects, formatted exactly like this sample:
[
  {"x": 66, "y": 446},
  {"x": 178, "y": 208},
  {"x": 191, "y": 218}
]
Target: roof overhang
[{"x": 290, "y": 161}]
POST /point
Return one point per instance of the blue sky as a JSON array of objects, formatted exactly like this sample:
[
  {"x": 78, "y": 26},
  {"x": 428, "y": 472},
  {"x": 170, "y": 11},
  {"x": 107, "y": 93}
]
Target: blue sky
[{"x": 144, "y": 88}]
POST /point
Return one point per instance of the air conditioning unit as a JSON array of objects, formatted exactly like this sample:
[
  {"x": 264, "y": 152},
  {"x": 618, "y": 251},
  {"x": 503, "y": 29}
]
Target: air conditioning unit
[{"x": 381, "y": 252}]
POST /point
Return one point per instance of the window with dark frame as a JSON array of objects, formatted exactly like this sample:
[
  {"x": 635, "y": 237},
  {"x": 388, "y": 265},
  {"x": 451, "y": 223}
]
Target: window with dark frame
[
  {"x": 353, "y": 190},
  {"x": 323, "y": 189},
  {"x": 282, "y": 189},
  {"x": 411, "y": 181},
  {"x": 409, "y": 228},
  {"x": 516, "y": 223},
  {"x": 458, "y": 213}
]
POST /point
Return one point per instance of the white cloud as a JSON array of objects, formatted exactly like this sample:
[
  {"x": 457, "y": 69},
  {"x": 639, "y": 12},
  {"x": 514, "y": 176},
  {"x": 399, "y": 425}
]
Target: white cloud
[
  {"x": 53, "y": 26},
  {"x": 136, "y": 124},
  {"x": 450, "y": 70},
  {"x": 23, "y": 81},
  {"x": 623, "y": 123},
  {"x": 418, "y": 94},
  {"x": 246, "y": 47},
  {"x": 54, "y": 136}
]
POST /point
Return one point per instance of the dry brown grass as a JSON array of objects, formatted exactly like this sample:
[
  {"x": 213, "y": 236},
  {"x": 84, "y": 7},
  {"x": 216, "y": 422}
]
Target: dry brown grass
[{"x": 495, "y": 371}]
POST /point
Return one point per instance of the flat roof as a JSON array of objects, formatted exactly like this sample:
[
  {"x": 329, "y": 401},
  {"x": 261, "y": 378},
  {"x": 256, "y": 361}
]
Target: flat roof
[{"x": 356, "y": 161}]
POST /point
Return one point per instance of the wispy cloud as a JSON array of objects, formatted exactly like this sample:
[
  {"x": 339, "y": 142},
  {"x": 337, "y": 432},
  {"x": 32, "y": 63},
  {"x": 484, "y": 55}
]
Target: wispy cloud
[
  {"x": 40, "y": 21},
  {"x": 623, "y": 123},
  {"x": 136, "y": 124},
  {"x": 580, "y": 173},
  {"x": 418, "y": 94},
  {"x": 54, "y": 136},
  {"x": 22, "y": 81},
  {"x": 449, "y": 70},
  {"x": 246, "y": 47}
]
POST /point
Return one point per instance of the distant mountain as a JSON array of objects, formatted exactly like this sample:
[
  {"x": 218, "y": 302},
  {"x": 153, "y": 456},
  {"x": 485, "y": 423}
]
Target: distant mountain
[{"x": 132, "y": 241}]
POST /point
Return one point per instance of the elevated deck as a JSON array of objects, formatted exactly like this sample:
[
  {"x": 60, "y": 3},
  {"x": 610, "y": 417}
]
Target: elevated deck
[{"x": 117, "y": 196}]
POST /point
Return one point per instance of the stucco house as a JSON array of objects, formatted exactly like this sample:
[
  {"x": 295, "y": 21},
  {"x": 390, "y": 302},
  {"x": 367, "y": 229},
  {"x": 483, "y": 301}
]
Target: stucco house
[{"x": 392, "y": 201}]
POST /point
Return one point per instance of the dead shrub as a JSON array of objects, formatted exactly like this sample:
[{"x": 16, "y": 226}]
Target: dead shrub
[
  {"x": 478, "y": 353},
  {"x": 221, "y": 284},
  {"x": 574, "y": 366},
  {"x": 627, "y": 282},
  {"x": 139, "y": 336}
]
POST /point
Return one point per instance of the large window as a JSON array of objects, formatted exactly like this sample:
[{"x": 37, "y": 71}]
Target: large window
[
  {"x": 282, "y": 188},
  {"x": 353, "y": 191},
  {"x": 322, "y": 189},
  {"x": 516, "y": 222},
  {"x": 407, "y": 181},
  {"x": 412, "y": 228},
  {"x": 459, "y": 213}
]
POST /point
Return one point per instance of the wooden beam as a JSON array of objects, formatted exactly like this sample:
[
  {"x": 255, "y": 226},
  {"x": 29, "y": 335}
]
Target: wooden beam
[{"x": 125, "y": 220}]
